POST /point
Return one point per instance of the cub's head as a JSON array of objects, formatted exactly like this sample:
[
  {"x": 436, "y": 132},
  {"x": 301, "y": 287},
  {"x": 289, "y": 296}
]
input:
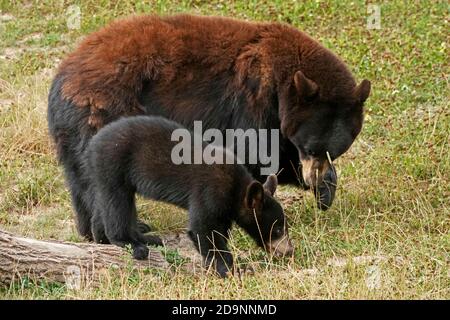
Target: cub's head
[
  {"x": 263, "y": 218},
  {"x": 321, "y": 127}
]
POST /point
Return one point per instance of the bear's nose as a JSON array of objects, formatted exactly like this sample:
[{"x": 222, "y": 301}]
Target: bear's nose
[{"x": 281, "y": 247}]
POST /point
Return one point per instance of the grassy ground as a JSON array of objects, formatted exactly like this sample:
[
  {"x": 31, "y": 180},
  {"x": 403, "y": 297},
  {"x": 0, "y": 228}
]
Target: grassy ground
[{"x": 387, "y": 235}]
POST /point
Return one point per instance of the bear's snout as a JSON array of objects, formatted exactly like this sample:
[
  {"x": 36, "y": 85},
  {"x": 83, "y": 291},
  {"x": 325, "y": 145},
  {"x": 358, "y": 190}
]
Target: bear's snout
[
  {"x": 314, "y": 170},
  {"x": 281, "y": 247}
]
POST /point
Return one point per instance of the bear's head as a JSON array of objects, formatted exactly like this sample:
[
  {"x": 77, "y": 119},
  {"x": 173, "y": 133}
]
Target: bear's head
[
  {"x": 262, "y": 217},
  {"x": 320, "y": 125}
]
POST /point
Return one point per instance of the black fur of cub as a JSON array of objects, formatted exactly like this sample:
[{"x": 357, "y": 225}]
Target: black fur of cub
[{"x": 133, "y": 155}]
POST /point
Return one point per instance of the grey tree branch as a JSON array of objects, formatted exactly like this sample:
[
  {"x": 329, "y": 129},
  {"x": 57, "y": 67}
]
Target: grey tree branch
[{"x": 73, "y": 264}]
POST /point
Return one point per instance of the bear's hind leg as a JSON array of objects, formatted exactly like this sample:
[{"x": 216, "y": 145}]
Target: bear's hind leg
[
  {"x": 151, "y": 240},
  {"x": 82, "y": 210},
  {"x": 148, "y": 239},
  {"x": 98, "y": 228},
  {"x": 139, "y": 249},
  {"x": 143, "y": 227},
  {"x": 83, "y": 216},
  {"x": 119, "y": 217}
]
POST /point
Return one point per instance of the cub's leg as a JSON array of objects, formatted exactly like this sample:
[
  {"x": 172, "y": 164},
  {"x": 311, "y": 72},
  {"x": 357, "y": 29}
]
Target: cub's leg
[
  {"x": 98, "y": 228},
  {"x": 119, "y": 217},
  {"x": 148, "y": 239},
  {"x": 210, "y": 239}
]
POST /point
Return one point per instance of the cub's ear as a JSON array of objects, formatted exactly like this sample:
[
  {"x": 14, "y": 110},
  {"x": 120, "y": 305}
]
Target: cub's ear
[
  {"x": 271, "y": 184},
  {"x": 362, "y": 91},
  {"x": 306, "y": 88},
  {"x": 255, "y": 196}
]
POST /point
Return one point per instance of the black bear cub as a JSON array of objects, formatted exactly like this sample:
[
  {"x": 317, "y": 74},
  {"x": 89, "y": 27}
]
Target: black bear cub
[{"x": 133, "y": 155}]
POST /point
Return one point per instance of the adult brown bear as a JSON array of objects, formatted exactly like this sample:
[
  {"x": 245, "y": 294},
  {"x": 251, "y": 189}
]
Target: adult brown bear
[{"x": 225, "y": 72}]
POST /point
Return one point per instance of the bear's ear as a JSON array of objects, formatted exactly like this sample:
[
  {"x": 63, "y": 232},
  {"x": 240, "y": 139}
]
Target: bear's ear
[
  {"x": 306, "y": 88},
  {"x": 254, "y": 196},
  {"x": 362, "y": 91},
  {"x": 271, "y": 184}
]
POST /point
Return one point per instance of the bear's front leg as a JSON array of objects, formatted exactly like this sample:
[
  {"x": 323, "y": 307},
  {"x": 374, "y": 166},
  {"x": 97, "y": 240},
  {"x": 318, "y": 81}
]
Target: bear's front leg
[{"x": 213, "y": 248}]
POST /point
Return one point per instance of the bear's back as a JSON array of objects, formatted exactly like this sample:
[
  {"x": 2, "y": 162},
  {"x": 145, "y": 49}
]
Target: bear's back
[{"x": 140, "y": 149}]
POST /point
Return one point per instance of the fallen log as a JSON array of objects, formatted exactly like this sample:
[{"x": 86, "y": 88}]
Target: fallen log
[{"x": 73, "y": 264}]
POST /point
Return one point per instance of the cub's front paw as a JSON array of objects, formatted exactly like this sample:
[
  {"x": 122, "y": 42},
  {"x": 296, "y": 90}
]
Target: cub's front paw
[
  {"x": 140, "y": 252},
  {"x": 223, "y": 270},
  {"x": 223, "y": 265}
]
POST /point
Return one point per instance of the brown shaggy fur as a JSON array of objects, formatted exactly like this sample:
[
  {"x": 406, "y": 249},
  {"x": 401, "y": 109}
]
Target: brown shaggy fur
[{"x": 109, "y": 68}]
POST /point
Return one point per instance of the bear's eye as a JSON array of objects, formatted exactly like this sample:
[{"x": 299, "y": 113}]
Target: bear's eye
[{"x": 277, "y": 232}]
